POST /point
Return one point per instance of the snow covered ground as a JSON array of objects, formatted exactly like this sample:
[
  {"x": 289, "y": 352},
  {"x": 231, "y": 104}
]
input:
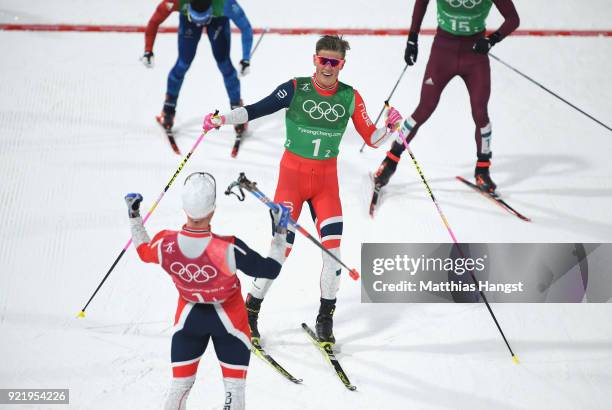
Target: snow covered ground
[{"x": 77, "y": 133}]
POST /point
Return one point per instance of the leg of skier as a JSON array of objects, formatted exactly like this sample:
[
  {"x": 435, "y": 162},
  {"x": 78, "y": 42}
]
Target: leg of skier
[
  {"x": 187, "y": 348},
  {"x": 219, "y": 35},
  {"x": 188, "y": 37},
  {"x": 289, "y": 194},
  {"x": 441, "y": 68},
  {"x": 326, "y": 211},
  {"x": 232, "y": 347},
  {"x": 476, "y": 73}
]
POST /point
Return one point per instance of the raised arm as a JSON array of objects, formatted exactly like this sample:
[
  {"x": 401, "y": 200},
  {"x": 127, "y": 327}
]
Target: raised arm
[{"x": 252, "y": 263}]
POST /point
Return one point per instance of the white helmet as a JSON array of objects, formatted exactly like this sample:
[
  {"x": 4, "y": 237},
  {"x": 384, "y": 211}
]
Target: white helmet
[{"x": 199, "y": 195}]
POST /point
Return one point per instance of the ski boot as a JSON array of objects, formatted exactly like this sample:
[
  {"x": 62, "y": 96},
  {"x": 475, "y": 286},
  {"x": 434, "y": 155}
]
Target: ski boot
[
  {"x": 386, "y": 170},
  {"x": 483, "y": 178},
  {"x": 325, "y": 323},
  {"x": 166, "y": 118},
  {"x": 253, "y": 305}
]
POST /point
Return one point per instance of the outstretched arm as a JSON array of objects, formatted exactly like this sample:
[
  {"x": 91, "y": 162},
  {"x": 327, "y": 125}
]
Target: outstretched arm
[{"x": 279, "y": 99}]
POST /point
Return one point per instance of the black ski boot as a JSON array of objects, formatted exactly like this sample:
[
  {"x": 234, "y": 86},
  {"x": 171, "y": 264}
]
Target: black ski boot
[
  {"x": 253, "y": 305},
  {"x": 166, "y": 119},
  {"x": 483, "y": 178},
  {"x": 385, "y": 171},
  {"x": 325, "y": 323}
]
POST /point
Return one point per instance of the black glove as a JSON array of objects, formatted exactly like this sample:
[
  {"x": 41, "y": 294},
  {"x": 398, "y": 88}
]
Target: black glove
[
  {"x": 412, "y": 49},
  {"x": 148, "y": 59},
  {"x": 483, "y": 45},
  {"x": 245, "y": 64},
  {"x": 133, "y": 202}
]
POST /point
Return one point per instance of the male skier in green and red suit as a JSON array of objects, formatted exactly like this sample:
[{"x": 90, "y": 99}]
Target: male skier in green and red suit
[
  {"x": 460, "y": 48},
  {"x": 318, "y": 109}
]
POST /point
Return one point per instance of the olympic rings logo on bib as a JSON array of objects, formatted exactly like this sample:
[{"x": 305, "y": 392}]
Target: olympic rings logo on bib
[
  {"x": 468, "y": 4},
  {"x": 323, "y": 109},
  {"x": 193, "y": 273}
]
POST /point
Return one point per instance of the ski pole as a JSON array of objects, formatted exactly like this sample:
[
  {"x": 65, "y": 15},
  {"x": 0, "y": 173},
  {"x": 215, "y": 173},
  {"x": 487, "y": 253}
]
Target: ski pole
[
  {"x": 265, "y": 30},
  {"x": 81, "y": 313},
  {"x": 452, "y": 234},
  {"x": 244, "y": 182},
  {"x": 388, "y": 99},
  {"x": 550, "y": 92}
]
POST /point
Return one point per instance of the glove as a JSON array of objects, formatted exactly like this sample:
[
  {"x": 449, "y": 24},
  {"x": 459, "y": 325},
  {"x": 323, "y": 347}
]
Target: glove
[
  {"x": 483, "y": 45},
  {"x": 213, "y": 121},
  {"x": 280, "y": 218},
  {"x": 412, "y": 49},
  {"x": 245, "y": 64},
  {"x": 393, "y": 119},
  {"x": 133, "y": 202},
  {"x": 148, "y": 59}
]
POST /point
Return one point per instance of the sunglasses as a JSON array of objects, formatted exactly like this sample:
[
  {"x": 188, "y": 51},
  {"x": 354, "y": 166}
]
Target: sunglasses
[{"x": 334, "y": 62}]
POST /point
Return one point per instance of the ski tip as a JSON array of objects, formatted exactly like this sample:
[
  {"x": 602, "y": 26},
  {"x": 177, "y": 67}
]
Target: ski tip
[
  {"x": 81, "y": 314},
  {"x": 234, "y": 154},
  {"x": 354, "y": 274},
  {"x": 351, "y": 387},
  {"x": 515, "y": 359}
]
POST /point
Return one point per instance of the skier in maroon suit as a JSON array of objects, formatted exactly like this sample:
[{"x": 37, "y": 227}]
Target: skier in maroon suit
[{"x": 460, "y": 48}]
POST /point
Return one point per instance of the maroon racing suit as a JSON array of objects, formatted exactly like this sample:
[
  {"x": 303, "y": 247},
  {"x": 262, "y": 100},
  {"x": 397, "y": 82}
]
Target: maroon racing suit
[{"x": 452, "y": 55}]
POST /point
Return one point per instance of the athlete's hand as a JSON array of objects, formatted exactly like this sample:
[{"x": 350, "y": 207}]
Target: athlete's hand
[
  {"x": 280, "y": 218},
  {"x": 412, "y": 49},
  {"x": 483, "y": 45},
  {"x": 148, "y": 59},
  {"x": 393, "y": 119},
  {"x": 245, "y": 67},
  {"x": 212, "y": 121},
  {"x": 133, "y": 203}
]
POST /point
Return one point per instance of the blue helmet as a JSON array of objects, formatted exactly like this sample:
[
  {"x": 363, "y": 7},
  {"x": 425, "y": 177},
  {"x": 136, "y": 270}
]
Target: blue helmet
[{"x": 200, "y": 12}]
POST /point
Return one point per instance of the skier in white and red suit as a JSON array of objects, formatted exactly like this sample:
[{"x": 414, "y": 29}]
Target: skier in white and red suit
[{"x": 203, "y": 267}]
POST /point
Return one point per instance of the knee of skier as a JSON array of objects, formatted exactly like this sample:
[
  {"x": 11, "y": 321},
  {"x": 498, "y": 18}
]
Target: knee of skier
[
  {"x": 330, "y": 230},
  {"x": 330, "y": 265},
  {"x": 227, "y": 68}
]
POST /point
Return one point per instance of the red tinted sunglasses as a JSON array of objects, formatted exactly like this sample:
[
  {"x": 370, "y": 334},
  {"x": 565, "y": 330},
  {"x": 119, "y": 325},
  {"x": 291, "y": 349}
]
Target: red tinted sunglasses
[{"x": 334, "y": 62}]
